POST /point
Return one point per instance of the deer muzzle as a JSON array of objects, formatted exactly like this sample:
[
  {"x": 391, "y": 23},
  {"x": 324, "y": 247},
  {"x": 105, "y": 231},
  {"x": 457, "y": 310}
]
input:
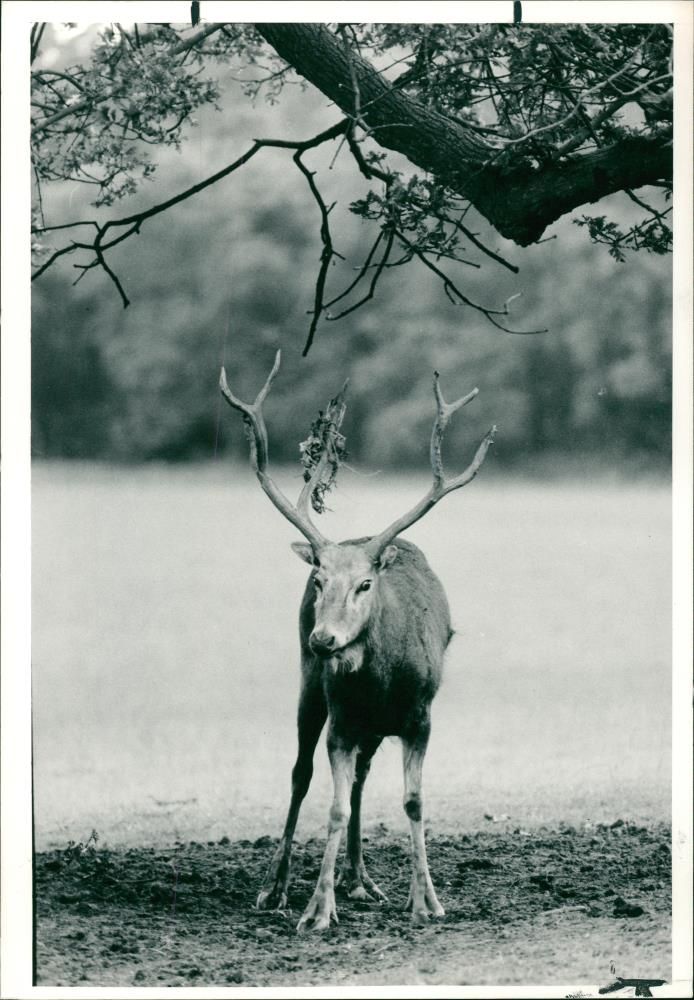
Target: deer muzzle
[{"x": 323, "y": 642}]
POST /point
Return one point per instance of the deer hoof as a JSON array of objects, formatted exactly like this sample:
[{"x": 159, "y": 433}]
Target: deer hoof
[
  {"x": 424, "y": 909},
  {"x": 359, "y": 892},
  {"x": 371, "y": 894},
  {"x": 361, "y": 886},
  {"x": 274, "y": 898},
  {"x": 318, "y": 914}
]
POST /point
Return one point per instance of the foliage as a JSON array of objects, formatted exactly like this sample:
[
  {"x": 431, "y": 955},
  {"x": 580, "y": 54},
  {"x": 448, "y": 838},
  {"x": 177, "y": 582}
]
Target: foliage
[
  {"x": 511, "y": 80},
  {"x": 326, "y": 440},
  {"x": 93, "y": 122},
  {"x": 652, "y": 234},
  {"x": 497, "y": 112}
]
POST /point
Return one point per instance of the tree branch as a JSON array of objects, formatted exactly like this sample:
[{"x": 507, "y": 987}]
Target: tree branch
[
  {"x": 362, "y": 271},
  {"x": 480, "y": 246},
  {"x": 133, "y": 223},
  {"x": 519, "y": 200},
  {"x": 37, "y": 31},
  {"x": 91, "y": 102},
  {"x": 454, "y": 293},
  {"x": 374, "y": 279},
  {"x": 327, "y": 253}
]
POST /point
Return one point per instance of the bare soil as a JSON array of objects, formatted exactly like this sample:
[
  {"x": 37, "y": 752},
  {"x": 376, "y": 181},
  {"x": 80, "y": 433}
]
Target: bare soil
[{"x": 540, "y": 906}]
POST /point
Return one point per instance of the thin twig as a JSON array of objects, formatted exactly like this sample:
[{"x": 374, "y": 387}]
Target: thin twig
[
  {"x": 54, "y": 256},
  {"x": 369, "y": 170},
  {"x": 39, "y": 194},
  {"x": 114, "y": 277},
  {"x": 327, "y": 253},
  {"x": 578, "y": 107},
  {"x": 357, "y": 116},
  {"x": 362, "y": 271},
  {"x": 70, "y": 78},
  {"x": 90, "y": 103},
  {"x": 133, "y": 223},
  {"x": 480, "y": 246},
  {"x": 577, "y": 140},
  {"x": 648, "y": 208},
  {"x": 453, "y": 292},
  {"x": 37, "y": 31},
  {"x": 374, "y": 280}
]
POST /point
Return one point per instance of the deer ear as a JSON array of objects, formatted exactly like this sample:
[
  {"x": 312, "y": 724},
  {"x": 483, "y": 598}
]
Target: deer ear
[
  {"x": 387, "y": 557},
  {"x": 304, "y": 551}
]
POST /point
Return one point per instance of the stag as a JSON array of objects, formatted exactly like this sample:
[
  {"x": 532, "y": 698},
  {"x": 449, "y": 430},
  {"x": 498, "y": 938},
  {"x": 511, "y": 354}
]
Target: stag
[{"x": 374, "y": 627}]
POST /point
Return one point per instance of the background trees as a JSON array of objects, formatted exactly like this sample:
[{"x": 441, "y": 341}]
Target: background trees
[{"x": 437, "y": 140}]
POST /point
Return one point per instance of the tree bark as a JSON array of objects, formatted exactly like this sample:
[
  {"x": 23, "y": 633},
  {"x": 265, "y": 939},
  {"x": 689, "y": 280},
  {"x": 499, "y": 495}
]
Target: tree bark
[{"x": 519, "y": 201}]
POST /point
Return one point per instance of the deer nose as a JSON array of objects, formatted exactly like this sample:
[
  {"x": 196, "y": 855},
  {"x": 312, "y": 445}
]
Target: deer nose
[{"x": 322, "y": 642}]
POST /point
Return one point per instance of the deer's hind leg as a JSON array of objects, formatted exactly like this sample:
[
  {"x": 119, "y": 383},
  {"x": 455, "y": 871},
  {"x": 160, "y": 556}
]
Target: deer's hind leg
[
  {"x": 422, "y": 899},
  {"x": 354, "y": 876},
  {"x": 312, "y": 714}
]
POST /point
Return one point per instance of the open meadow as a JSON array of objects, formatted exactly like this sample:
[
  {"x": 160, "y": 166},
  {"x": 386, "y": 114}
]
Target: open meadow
[{"x": 165, "y": 676}]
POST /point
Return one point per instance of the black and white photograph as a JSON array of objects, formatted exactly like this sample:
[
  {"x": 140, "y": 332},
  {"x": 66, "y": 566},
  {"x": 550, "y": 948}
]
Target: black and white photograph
[{"x": 347, "y": 499}]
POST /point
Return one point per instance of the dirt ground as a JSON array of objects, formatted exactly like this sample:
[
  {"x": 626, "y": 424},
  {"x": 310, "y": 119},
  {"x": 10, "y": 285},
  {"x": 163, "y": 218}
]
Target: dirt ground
[{"x": 557, "y": 905}]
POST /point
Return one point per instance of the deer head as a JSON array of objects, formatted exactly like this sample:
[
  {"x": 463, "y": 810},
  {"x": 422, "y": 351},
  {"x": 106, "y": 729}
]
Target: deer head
[
  {"x": 346, "y": 576},
  {"x": 346, "y": 582}
]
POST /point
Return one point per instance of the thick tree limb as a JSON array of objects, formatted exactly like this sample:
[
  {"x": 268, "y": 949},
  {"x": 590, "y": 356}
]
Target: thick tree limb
[{"x": 520, "y": 201}]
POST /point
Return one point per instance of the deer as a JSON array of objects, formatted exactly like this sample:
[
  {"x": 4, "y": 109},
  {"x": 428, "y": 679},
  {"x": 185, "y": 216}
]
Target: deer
[{"x": 374, "y": 626}]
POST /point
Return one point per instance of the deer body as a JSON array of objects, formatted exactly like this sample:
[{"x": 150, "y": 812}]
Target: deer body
[
  {"x": 374, "y": 627},
  {"x": 380, "y": 681}
]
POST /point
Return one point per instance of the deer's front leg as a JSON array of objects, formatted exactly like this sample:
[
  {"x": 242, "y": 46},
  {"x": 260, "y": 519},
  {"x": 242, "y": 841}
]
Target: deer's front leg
[
  {"x": 321, "y": 908},
  {"x": 422, "y": 899},
  {"x": 311, "y": 718}
]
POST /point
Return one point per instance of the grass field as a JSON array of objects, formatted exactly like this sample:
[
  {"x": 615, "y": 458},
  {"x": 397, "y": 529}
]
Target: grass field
[{"x": 165, "y": 653}]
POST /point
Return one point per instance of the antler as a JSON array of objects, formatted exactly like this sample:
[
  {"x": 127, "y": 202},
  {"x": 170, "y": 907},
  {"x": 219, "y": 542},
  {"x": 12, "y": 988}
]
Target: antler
[
  {"x": 440, "y": 486},
  {"x": 257, "y": 435}
]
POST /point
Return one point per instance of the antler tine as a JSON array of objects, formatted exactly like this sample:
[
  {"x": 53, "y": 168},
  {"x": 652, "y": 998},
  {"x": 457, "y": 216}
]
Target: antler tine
[
  {"x": 440, "y": 486},
  {"x": 444, "y": 412},
  {"x": 258, "y": 440},
  {"x": 260, "y": 398}
]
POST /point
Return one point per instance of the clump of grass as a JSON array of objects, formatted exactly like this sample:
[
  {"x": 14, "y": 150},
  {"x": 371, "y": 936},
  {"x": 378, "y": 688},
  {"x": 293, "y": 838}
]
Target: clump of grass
[{"x": 78, "y": 849}]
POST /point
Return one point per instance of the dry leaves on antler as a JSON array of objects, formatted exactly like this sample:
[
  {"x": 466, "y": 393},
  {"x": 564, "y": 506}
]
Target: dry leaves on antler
[{"x": 324, "y": 442}]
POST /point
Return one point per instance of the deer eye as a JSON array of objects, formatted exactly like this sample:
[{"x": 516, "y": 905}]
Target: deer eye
[{"x": 365, "y": 585}]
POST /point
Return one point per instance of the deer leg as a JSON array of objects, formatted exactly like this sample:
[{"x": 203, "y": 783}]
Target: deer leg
[
  {"x": 354, "y": 875},
  {"x": 321, "y": 907},
  {"x": 311, "y": 718},
  {"x": 422, "y": 899}
]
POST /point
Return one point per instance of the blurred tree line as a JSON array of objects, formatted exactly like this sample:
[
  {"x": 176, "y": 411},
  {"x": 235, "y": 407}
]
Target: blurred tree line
[
  {"x": 142, "y": 384},
  {"x": 229, "y": 276}
]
